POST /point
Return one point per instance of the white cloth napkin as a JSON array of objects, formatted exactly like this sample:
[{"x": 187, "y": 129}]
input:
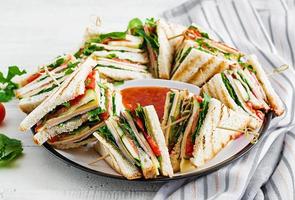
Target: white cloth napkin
[{"x": 266, "y": 29}]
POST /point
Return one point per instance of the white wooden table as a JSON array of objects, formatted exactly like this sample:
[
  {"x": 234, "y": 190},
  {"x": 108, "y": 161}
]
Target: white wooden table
[{"x": 32, "y": 32}]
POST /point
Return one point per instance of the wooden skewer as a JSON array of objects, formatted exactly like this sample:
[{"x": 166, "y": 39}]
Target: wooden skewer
[
  {"x": 99, "y": 159},
  {"x": 279, "y": 70},
  {"x": 175, "y": 36},
  {"x": 51, "y": 75},
  {"x": 175, "y": 122},
  {"x": 248, "y": 132}
]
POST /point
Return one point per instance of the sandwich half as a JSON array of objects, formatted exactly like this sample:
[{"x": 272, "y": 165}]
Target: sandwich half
[
  {"x": 202, "y": 139},
  {"x": 107, "y": 147},
  {"x": 148, "y": 124},
  {"x": 159, "y": 49},
  {"x": 199, "y": 58},
  {"x": 119, "y": 55},
  {"x": 39, "y": 85},
  {"x": 133, "y": 147},
  {"x": 178, "y": 108},
  {"x": 71, "y": 124},
  {"x": 245, "y": 88}
]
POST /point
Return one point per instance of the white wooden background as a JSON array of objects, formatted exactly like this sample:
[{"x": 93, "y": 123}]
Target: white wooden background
[{"x": 31, "y": 33}]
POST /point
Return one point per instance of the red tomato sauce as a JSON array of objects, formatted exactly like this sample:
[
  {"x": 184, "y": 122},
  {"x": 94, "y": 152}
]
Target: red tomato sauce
[{"x": 145, "y": 96}]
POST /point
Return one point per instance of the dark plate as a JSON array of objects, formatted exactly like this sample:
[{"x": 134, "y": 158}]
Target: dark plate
[{"x": 198, "y": 173}]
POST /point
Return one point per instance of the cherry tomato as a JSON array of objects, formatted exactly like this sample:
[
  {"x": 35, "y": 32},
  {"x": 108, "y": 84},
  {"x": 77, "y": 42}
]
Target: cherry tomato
[
  {"x": 2, "y": 112},
  {"x": 199, "y": 99}
]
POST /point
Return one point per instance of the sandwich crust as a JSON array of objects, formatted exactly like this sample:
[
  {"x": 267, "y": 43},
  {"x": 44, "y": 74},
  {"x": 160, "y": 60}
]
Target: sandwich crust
[
  {"x": 275, "y": 102},
  {"x": 165, "y": 56}
]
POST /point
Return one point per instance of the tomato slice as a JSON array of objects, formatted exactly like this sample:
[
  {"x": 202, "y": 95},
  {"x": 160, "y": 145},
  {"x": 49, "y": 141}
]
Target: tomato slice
[
  {"x": 33, "y": 77},
  {"x": 90, "y": 81},
  {"x": 139, "y": 123},
  {"x": 77, "y": 99},
  {"x": 104, "y": 116},
  {"x": 153, "y": 145},
  {"x": 260, "y": 114},
  {"x": 189, "y": 148},
  {"x": 53, "y": 139}
]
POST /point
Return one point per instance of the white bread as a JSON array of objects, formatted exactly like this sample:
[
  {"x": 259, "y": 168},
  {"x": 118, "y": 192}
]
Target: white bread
[
  {"x": 61, "y": 95},
  {"x": 117, "y": 74},
  {"x": 275, "y": 102},
  {"x": 118, "y": 48},
  {"x": 157, "y": 133},
  {"x": 30, "y": 103},
  {"x": 165, "y": 56},
  {"x": 213, "y": 66},
  {"x": 211, "y": 138},
  {"x": 134, "y": 57},
  {"x": 37, "y": 86},
  {"x": 203, "y": 147},
  {"x": 120, "y": 64},
  {"x": 73, "y": 145},
  {"x": 216, "y": 89},
  {"x": 130, "y": 41},
  {"x": 174, "y": 30},
  {"x": 80, "y": 136},
  {"x": 121, "y": 164},
  {"x": 190, "y": 65},
  {"x": 22, "y": 80}
]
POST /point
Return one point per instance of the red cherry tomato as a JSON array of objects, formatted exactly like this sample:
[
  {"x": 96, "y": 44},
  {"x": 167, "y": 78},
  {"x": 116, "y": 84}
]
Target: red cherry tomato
[{"x": 2, "y": 112}]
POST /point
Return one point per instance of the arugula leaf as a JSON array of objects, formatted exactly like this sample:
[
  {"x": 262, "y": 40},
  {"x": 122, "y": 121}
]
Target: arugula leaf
[
  {"x": 71, "y": 67},
  {"x": 204, "y": 106},
  {"x": 151, "y": 22},
  {"x": 124, "y": 125},
  {"x": 249, "y": 67},
  {"x": 93, "y": 115},
  {"x": 112, "y": 55},
  {"x": 203, "y": 34},
  {"x": 9, "y": 149},
  {"x": 66, "y": 104},
  {"x": 46, "y": 90},
  {"x": 7, "y": 86},
  {"x": 231, "y": 90},
  {"x": 118, "y": 83},
  {"x": 112, "y": 35},
  {"x": 106, "y": 134},
  {"x": 58, "y": 62},
  {"x": 90, "y": 48}
]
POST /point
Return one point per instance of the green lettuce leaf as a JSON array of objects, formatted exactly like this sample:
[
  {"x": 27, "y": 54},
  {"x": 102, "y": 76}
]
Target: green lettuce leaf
[
  {"x": 9, "y": 149},
  {"x": 204, "y": 106},
  {"x": 7, "y": 85}
]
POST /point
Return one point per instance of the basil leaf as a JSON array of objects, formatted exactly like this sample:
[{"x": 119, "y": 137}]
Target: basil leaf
[
  {"x": 7, "y": 86},
  {"x": 135, "y": 23},
  {"x": 9, "y": 149}
]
